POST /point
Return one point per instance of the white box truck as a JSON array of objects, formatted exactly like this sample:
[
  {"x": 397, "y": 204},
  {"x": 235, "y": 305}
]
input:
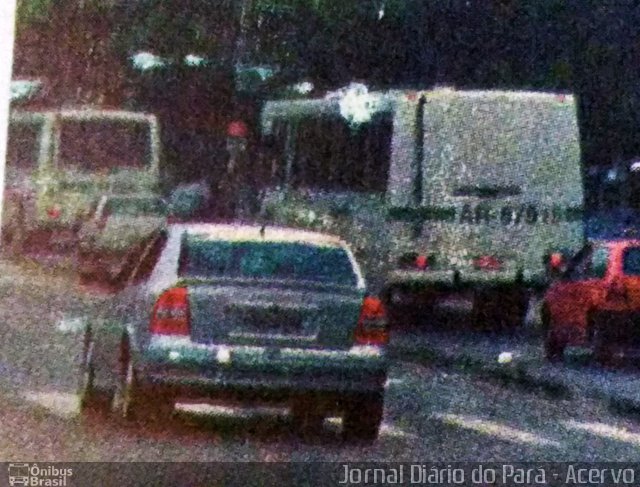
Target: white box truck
[{"x": 479, "y": 188}]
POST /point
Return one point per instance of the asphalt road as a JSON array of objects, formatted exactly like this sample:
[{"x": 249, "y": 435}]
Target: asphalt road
[{"x": 431, "y": 414}]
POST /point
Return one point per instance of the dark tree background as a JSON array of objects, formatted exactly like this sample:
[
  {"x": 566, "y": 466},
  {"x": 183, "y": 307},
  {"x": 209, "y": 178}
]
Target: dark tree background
[{"x": 588, "y": 47}]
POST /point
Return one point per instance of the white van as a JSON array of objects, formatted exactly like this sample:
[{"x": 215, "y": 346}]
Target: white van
[
  {"x": 481, "y": 186},
  {"x": 60, "y": 162}
]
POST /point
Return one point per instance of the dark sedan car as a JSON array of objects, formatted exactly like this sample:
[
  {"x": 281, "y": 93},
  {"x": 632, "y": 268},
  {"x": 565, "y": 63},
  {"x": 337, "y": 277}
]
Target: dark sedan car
[{"x": 245, "y": 313}]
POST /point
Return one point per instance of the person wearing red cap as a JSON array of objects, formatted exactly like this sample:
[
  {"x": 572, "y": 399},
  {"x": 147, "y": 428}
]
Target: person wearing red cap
[{"x": 232, "y": 185}]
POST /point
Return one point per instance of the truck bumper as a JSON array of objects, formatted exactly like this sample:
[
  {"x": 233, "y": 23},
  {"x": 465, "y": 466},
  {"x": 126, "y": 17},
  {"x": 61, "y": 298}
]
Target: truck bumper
[{"x": 456, "y": 280}]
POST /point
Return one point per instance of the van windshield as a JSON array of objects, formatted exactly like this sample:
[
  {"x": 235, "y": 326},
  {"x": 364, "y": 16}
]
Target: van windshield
[
  {"x": 96, "y": 145},
  {"x": 328, "y": 155}
]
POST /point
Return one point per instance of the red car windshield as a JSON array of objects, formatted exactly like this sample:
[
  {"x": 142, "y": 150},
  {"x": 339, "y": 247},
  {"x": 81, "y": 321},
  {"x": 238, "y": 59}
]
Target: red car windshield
[{"x": 591, "y": 262}]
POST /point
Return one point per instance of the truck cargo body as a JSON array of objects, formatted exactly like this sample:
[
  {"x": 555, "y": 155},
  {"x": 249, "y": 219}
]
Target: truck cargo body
[{"x": 481, "y": 187}]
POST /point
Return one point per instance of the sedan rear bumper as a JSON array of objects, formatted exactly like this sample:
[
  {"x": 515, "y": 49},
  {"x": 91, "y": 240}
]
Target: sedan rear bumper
[
  {"x": 188, "y": 368},
  {"x": 180, "y": 383}
]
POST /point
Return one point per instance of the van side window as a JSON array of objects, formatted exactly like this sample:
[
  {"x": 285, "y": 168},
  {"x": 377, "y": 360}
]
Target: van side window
[
  {"x": 331, "y": 156},
  {"x": 94, "y": 145}
]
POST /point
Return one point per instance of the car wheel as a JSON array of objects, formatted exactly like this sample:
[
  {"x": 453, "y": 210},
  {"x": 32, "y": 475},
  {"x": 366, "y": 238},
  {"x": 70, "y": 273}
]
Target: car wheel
[
  {"x": 554, "y": 348},
  {"x": 121, "y": 403},
  {"x": 363, "y": 417},
  {"x": 484, "y": 315},
  {"x": 545, "y": 319},
  {"x": 131, "y": 402},
  {"x": 307, "y": 417},
  {"x": 87, "y": 394},
  {"x": 604, "y": 356},
  {"x": 603, "y": 352},
  {"x": 496, "y": 310},
  {"x": 518, "y": 304}
]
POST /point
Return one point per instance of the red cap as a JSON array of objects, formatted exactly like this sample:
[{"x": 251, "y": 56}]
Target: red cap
[
  {"x": 555, "y": 260},
  {"x": 422, "y": 262},
  {"x": 237, "y": 128}
]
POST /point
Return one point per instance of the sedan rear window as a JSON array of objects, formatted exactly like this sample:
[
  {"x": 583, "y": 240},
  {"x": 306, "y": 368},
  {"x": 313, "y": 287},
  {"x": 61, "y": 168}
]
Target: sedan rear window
[
  {"x": 631, "y": 261},
  {"x": 265, "y": 260}
]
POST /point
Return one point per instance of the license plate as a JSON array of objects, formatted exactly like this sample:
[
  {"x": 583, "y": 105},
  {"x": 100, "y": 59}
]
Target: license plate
[{"x": 274, "y": 320}]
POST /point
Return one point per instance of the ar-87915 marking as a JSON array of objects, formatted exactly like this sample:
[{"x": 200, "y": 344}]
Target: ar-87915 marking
[{"x": 483, "y": 213}]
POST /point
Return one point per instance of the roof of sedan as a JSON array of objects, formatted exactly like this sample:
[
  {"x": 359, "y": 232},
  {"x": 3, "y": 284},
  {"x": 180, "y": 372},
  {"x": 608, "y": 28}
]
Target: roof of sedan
[{"x": 243, "y": 232}]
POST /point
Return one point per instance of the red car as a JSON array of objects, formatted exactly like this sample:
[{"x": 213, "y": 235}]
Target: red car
[{"x": 595, "y": 301}]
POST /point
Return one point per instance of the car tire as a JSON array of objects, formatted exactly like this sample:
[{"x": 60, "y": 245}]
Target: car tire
[
  {"x": 604, "y": 356},
  {"x": 133, "y": 403},
  {"x": 87, "y": 394},
  {"x": 484, "y": 314},
  {"x": 603, "y": 352},
  {"x": 307, "y": 417},
  {"x": 363, "y": 417},
  {"x": 545, "y": 319},
  {"x": 518, "y": 307},
  {"x": 496, "y": 310},
  {"x": 554, "y": 348}
]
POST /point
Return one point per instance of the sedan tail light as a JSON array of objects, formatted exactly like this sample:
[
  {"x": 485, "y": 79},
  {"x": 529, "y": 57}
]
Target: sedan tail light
[
  {"x": 170, "y": 314},
  {"x": 373, "y": 327}
]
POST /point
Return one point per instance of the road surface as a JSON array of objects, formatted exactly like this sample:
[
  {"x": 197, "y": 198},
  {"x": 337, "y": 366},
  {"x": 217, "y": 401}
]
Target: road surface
[{"x": 431, "y": 414}]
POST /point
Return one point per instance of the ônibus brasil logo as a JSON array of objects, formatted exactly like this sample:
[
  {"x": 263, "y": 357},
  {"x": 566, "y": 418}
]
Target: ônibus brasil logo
[{"x": 37, "y": 475}]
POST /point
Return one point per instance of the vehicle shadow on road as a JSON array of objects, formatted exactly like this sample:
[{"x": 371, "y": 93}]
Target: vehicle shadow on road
[{"x": 197, "y": 423}]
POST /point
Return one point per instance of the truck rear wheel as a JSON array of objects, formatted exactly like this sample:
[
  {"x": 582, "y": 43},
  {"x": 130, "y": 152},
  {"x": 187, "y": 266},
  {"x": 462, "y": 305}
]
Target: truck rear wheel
[
  {"x": 554, "y": 348},
  {"x": 407, "y": 308},
  {"x": 497, "y": 310},
  {"x": 604, "y": 347}
]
